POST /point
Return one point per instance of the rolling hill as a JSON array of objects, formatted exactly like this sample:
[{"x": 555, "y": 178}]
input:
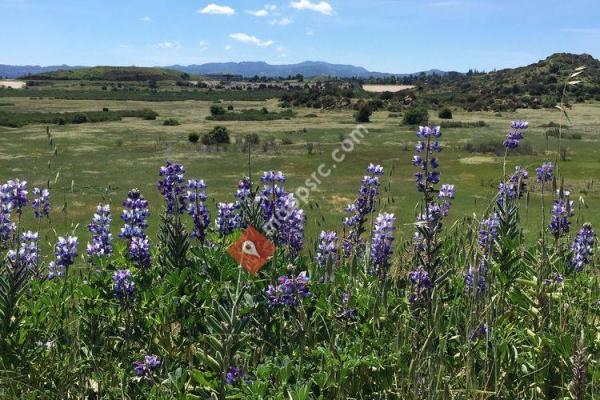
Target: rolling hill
[{"x": 105, "y": 73}]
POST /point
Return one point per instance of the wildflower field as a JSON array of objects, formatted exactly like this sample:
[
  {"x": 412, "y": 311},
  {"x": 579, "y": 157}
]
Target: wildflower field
[{"x": 417, "y": 270}]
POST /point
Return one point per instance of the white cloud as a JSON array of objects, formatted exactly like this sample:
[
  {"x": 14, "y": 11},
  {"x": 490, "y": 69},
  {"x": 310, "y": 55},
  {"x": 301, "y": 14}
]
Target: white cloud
[
  {"x": 245, "y": 38},
  {"x": 203, "y": 45},
  {"x": 124, "y": 46},
  {"x": 282, "y": 21},
  {"x": 217, "y": 10},
  {"x": 169, "y": 45},
  {"x": 259, "y": 13},
  {"x": 270, "y": 7},
  {"x": 227, "y": 47},
  {"x": 310, "y": 32},
  {"x": 323, "y": 7},
  {"x": 146, "y": 19}
]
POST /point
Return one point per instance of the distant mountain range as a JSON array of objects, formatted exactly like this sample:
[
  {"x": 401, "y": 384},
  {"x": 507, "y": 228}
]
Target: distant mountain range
[{"x": 308, "y": 69}]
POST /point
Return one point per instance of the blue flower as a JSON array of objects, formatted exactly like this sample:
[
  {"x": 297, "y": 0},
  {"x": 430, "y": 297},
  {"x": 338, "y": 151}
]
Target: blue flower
[
  {"x": 327, "y": 249},
  {"x": 28, "y": 254},
  {"x": 65, "y": 252},
  {"x": 228, "y": 218},
  {"x": 196, "y": 196},
  {"x": 383, "y": 238},
  {"x": 583, "y": 248},
  {"x": 289, "y": 292},
  {"x": 123, "y": 285},
  {"x": 545, "y": 173},
  {"x": 101, "y": 244},
  {"x": 41, "y": 202},
  {"x": 14, "y": 192},
  {"x": 562, "y": 211},
  {"x": 172, "y": 187},
  {"x": 515, "y": 134}
]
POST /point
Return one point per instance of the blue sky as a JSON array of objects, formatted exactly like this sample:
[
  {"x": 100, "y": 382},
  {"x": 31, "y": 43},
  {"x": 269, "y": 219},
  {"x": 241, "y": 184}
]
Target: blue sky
[{"x": 381, "y": 35}]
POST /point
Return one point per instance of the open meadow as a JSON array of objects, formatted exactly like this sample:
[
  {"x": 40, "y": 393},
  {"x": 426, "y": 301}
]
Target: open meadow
[{"x": 99, "y": 162}]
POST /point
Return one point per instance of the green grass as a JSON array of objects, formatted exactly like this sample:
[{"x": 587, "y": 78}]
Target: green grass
[{"x": 100, "y": 162}]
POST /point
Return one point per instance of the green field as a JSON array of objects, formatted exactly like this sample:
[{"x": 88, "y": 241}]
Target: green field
[{"x": 96, "y": 162}]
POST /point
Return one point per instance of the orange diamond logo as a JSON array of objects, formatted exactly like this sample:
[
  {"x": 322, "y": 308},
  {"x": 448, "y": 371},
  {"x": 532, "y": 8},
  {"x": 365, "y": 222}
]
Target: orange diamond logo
[{"x": 252, "y": 251}]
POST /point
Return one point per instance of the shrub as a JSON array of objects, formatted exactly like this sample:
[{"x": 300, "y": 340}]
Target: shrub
[
  {"x": 79, "y": 119},
  {"x": 193, "y": 137},
  {"x": 230, "y": 107},
  {"x": 170, "y": 122},
  {"x": 253, "y": 139},
  {"x": 286, "y": 141},
  {"x": 217, "y": 110},
  {"x": 218, "y": 135},
  {"x": 363, "y": 115},
  {"x": 445, "y": 113},
  {"x": 416, "y": 115}
]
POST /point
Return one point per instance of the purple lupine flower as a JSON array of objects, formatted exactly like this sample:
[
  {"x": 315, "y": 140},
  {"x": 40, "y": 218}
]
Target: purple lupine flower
[
  {"x": 228, "y": 218},
  {"x": 284, "y": 219},
  {"x": 582, "y": 248},
  {"x": 196, "y": 196},
  {"x": 41, "y": 202},
  {"x": 479, "y": 273},
  {"x": 560, "y": 224},
  {"x": 139, "y": 251},
  {"x": 289, "y": 292},
  {"x": 383, "y": 238},
  {"x": 555, "y": 278},
  {"x": 135, "y": 215},
  {"x": 288, "y": 221},
  {"x": 7, "y": 226},
  {"x": 101, "y": 244},
  {"x": 65, "y": 252},
  {"x": 14, "y": 192},
  {"x": 545, "y": 173},
  {"x": 172, "y": 187},
  {"x": 515, "y": 134},
  {"x": 244, "y": 190},
  {"x": 515, "y": 187},
  {"x": 346, "y": 313},
  {"x": 427, "y": 164},
  {"x": 145, "y": 367},
  {"x": 234, "y": 375},
  {"x": 421, "y": 284},
  {"x": 327, "y": 249},
  {"x": 360, "y": 209},
  {"x": 446, "y": 195},
  {"x": 480, "y": 332},
  {"x": 123, "y": 285},
  {"x": 488, "y": 231},
  {"x": 28, "y": 254}
]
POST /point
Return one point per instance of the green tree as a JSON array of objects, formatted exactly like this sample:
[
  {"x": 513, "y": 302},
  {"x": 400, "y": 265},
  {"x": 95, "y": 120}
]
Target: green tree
[
  {"x": 363, "y": 114},
  {"x": 416, "y": 115}
]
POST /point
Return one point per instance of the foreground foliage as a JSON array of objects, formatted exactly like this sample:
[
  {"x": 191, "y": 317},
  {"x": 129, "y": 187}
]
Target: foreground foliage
[{"x": 468, "y": 311}]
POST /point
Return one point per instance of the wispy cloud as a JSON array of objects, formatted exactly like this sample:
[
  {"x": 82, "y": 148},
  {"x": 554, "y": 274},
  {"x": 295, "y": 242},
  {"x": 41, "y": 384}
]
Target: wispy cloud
[
  {"x": 270, "y": 7},
  {"x": 146, "y": 19},
  {"x": 228, "y": 47},
  {"x": 249, "y": 39},
  {"x": 203, "y": 45},
  {"x": 258, "y": 13},
  {"x": 217, "y": 10},
  {"x": 281, "y": 21},
  {"x": 169, "y": 45},
  {"x": 310, "y": 32},
  {"x": 322, "y": 7}
]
